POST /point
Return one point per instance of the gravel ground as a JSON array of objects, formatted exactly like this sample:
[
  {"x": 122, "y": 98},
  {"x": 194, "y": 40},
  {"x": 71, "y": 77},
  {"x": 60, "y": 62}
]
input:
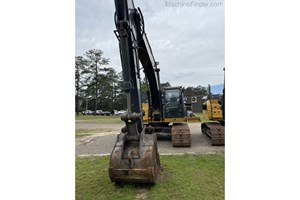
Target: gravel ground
[{"x": 103, "y": 143}]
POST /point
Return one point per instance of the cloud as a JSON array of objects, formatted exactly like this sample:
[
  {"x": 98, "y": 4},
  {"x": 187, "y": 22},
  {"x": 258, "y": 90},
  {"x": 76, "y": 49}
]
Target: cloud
[{"x": 188, "y": 42}]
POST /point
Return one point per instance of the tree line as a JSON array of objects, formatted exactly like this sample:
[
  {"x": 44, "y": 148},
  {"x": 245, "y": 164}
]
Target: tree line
[{"x": 99, "y": 87}]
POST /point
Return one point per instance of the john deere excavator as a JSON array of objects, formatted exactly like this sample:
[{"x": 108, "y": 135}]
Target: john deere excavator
[
  {"x": 135, "y": 157},
  {"x": 171, "y": 120},
  {"x": 214, "y": 109}
]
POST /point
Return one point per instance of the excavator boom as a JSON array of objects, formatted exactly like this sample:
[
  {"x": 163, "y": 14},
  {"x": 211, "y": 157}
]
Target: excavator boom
[{"x": 135, "y": 157}]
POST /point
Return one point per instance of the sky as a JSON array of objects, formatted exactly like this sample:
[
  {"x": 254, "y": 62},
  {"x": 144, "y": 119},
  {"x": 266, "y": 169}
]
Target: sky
[
  {"x": 217, "y": 89},
  {"x": 186, "y": 37}
]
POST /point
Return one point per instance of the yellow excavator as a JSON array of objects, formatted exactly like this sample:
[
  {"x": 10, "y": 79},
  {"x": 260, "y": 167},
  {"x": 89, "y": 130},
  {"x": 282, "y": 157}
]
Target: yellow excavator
[
  {"x": 173, "y": 123},
  {"x": 135, "y": 157},
  {"x": 214, "y": 110}
]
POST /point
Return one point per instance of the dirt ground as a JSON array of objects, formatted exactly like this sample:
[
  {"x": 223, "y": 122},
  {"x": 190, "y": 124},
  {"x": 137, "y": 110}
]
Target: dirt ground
[{"x": 103, "y": 142}]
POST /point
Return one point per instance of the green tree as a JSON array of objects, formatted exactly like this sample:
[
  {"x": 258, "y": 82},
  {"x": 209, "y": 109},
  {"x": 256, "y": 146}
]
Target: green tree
[
  {"x": 189, "y": 91},
  {"x": 96, "y": 59},
  {"x": 107, "y": 89},
  {"x": 195, "y": 91},
  {"x": 199, "y": 90},
  {"x": 80, "y": 70},
  {"x": 144, "y": 88},
  {"x": 113, "y": 86},
  {"x": 97, "y": 86},
  {"x": 166, "y": 84},
  {"x": 121, "y": 101}
]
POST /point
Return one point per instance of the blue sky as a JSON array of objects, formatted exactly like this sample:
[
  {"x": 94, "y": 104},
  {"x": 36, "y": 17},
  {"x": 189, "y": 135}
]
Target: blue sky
[{"x": 217, "y": 89}]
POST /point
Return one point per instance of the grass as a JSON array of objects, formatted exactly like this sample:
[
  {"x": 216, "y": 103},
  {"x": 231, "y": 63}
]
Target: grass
[
  {"x": 97, "y": 118},
  {"x": 203, "y": 118},
  {"x": 87, "y": 132},
  {"x": 185, "y": 177}
]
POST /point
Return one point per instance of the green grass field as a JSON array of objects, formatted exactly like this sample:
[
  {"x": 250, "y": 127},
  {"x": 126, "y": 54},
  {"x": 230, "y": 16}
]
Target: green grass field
[
  {"x": 86, "y": 132},
  {"x": 100, "y": 119},
  {"x": 184, "y": 177}
]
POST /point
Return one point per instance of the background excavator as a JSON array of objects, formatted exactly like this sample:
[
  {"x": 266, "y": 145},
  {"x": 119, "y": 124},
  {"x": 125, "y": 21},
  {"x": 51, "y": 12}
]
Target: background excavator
[
  {"x": 214, "y": 110},
  {"x": 171, "y": 120},
  {"x": 135, "y": 157}
]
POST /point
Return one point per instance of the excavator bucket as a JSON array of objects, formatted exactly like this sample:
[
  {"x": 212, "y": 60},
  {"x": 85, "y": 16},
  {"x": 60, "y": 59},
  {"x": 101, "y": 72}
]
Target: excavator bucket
[{"x": 135, "y": 161}]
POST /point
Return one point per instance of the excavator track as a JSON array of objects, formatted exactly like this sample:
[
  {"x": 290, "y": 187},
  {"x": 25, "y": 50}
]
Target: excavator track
[
  {"x": 181, "y": 135},
  {"x": 215, "y": 131}
]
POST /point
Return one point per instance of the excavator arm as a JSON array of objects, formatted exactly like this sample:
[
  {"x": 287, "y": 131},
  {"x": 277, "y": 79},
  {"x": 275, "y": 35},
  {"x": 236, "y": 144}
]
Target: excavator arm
[
  {"x": 135, "y": 156},
  {"x": 135, "y": 47}
]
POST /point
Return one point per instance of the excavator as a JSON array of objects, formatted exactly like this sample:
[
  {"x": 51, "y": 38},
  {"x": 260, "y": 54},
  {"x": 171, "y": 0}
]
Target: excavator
[
  {"x": 135, "y": 157},
  {"x": 173, "y": 120},
  {"x": 214, "y": 109}
]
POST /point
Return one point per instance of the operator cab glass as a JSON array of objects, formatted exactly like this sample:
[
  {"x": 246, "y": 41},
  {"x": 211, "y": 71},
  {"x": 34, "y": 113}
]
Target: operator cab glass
[
  {"x": 173, "y": 104},
  {"x": 172, "y": 95}
]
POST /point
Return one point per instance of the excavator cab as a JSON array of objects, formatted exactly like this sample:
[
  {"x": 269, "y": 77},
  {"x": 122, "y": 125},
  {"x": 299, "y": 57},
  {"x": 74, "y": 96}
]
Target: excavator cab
[{"x": 173, "y": 102}]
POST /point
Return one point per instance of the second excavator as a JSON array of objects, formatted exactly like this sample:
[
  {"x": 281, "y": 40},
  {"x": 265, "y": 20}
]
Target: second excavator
[{"x": 214, "y": 109}]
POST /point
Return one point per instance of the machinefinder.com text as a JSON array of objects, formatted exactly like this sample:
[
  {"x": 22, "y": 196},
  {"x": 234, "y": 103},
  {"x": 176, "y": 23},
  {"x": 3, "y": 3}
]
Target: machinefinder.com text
[{"x": 193, "y": 4}]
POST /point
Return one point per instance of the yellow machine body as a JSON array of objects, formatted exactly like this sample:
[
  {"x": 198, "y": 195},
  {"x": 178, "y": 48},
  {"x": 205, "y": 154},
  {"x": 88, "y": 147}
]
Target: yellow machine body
[
  {"x": 169, "y": 121},
  {"x": 213, "y": 110}
]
